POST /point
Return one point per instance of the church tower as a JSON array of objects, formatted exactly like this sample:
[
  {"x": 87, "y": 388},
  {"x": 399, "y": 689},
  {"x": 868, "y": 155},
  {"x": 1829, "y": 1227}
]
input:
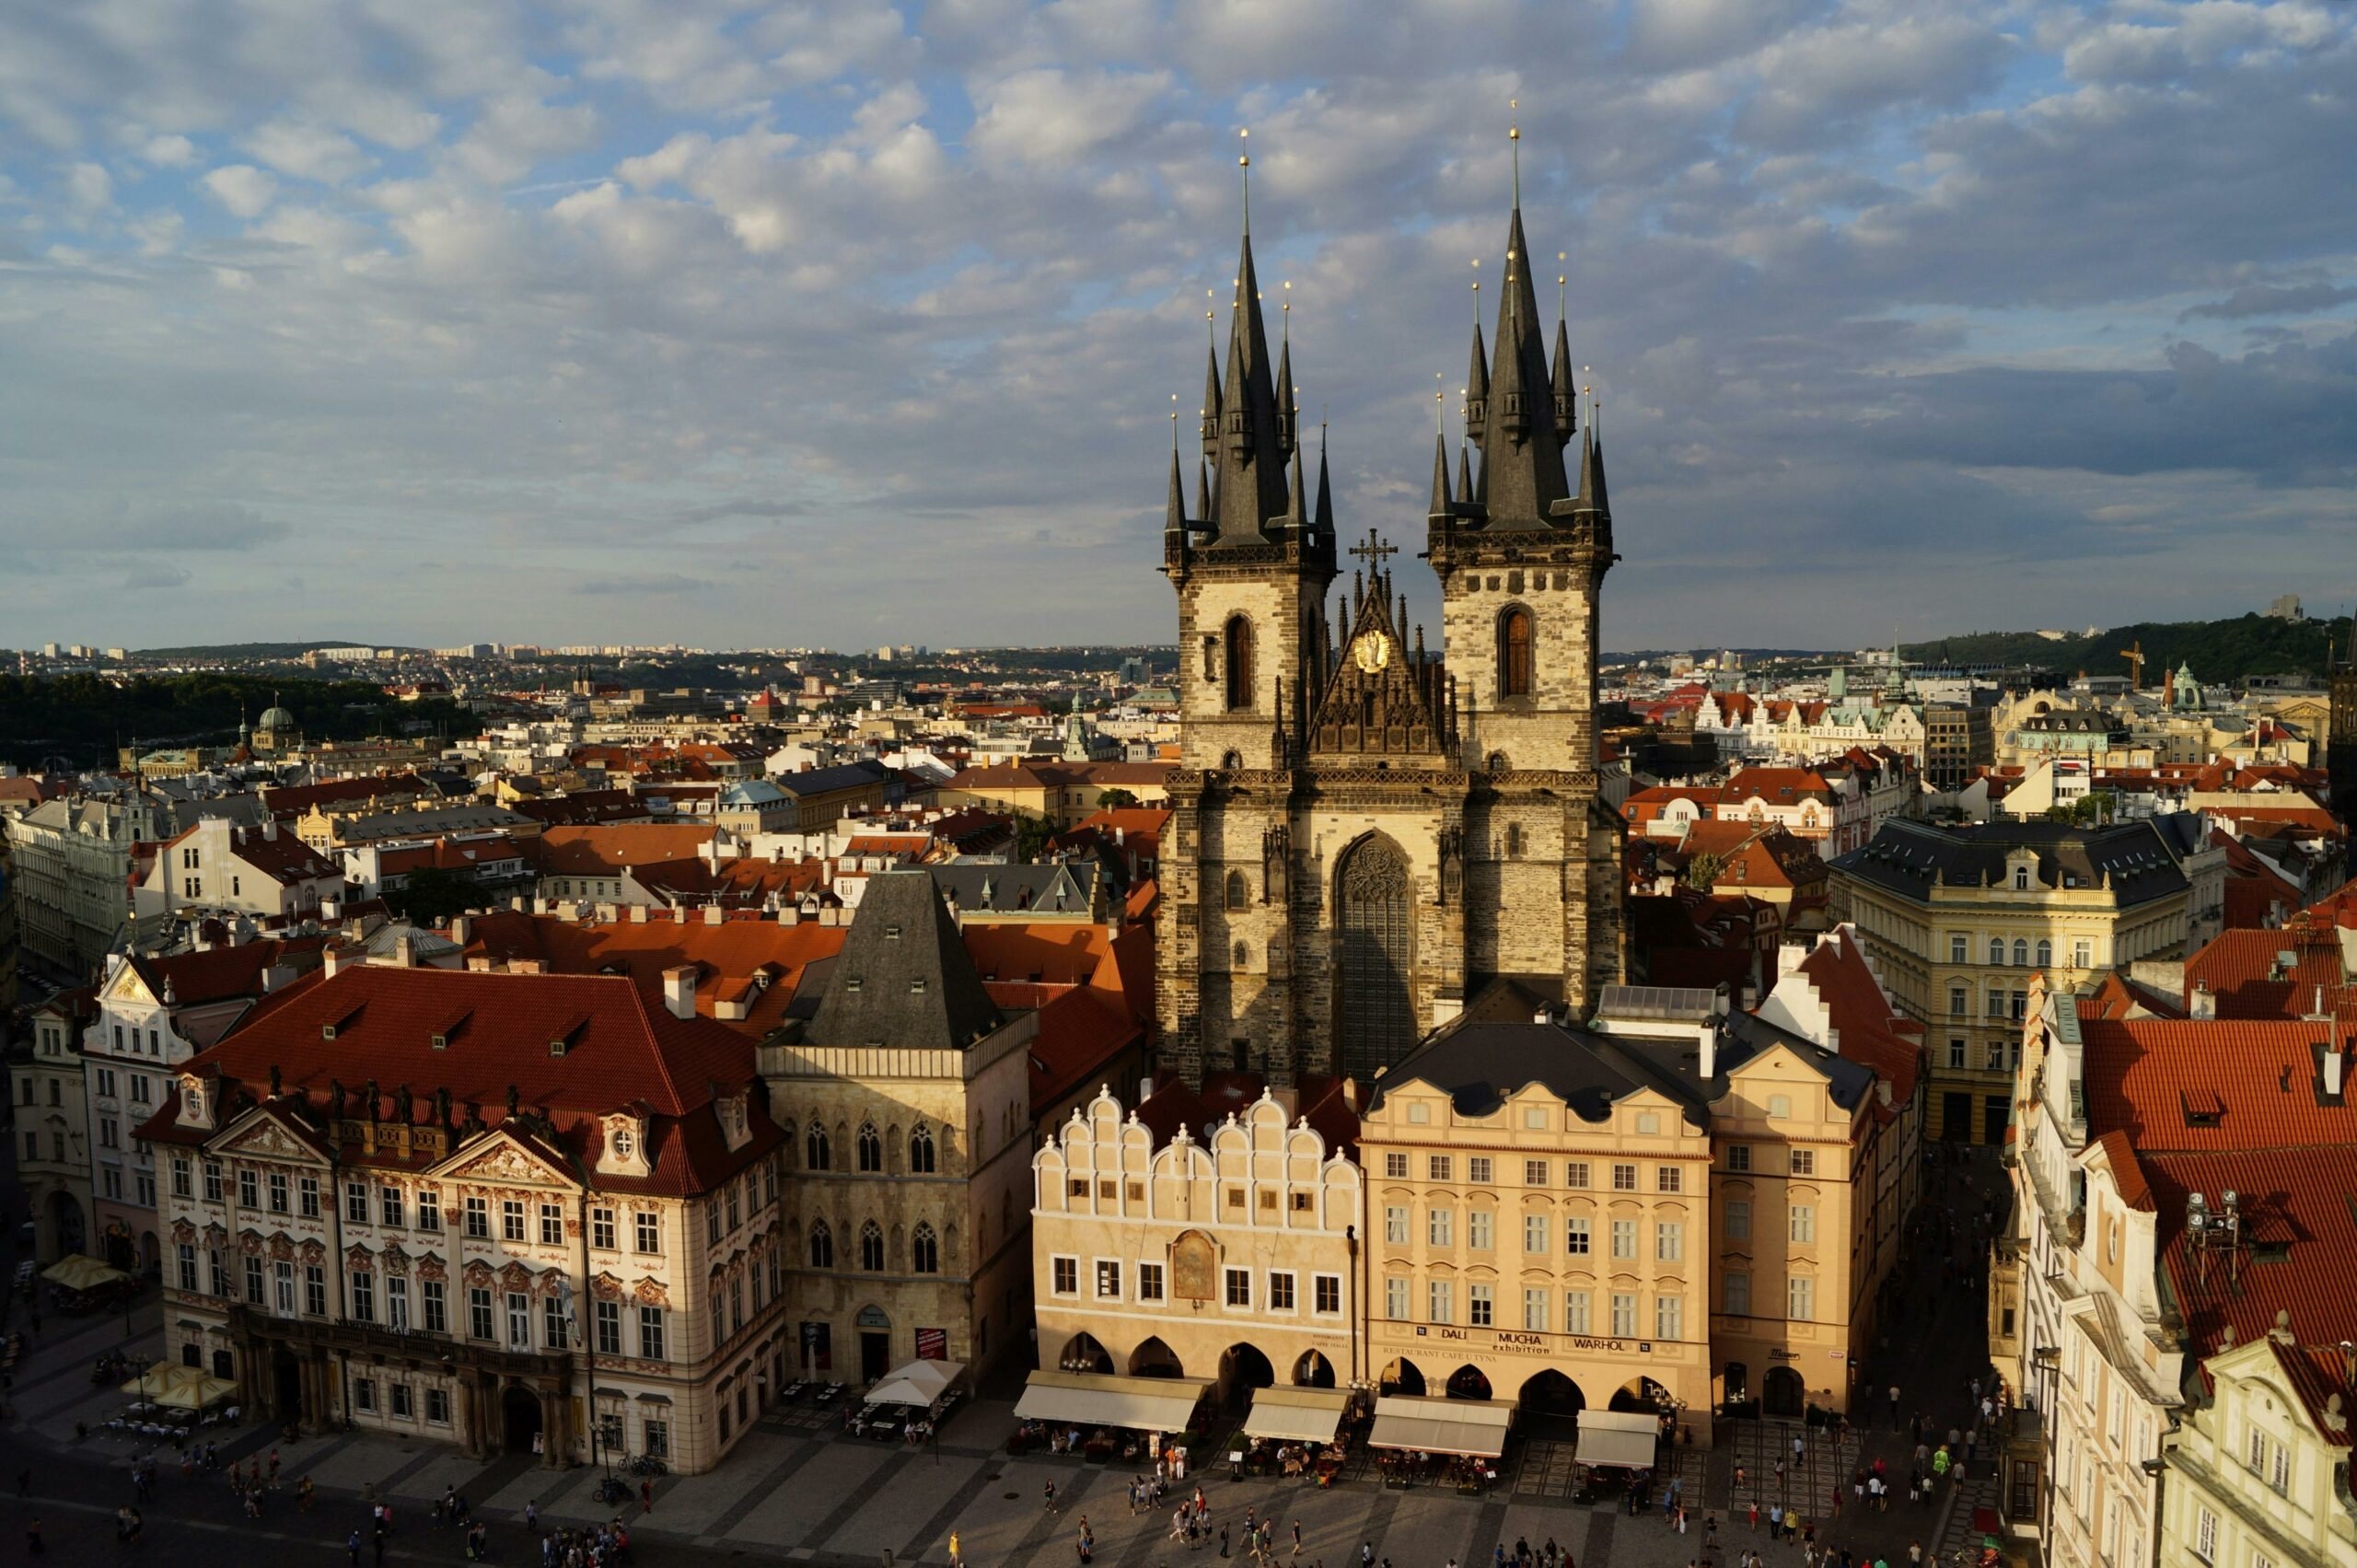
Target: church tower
[
  {"x": 1354, "y": 815},
  {"x": 2341, "y": 736}
]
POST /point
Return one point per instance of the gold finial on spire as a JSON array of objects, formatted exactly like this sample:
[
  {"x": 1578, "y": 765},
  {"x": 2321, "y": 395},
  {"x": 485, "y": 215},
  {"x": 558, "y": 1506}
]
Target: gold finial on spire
[
  {"x": 1513, "y": 138},
  {"x": 1477, "y": 292},
  {"x": 1243, "y": 162},
  {"x": 1174, "y": 425},
  {"x": 1440, "y": 406},
  {"x": 1559, "y": 279},
  {"x": 1286, "y": 325}
]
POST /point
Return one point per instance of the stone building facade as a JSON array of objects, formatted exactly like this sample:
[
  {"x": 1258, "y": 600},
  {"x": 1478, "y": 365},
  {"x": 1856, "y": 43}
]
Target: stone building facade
[
  {"x": 904, "y": 1099},
  {"x": 1352, "y": 816}
]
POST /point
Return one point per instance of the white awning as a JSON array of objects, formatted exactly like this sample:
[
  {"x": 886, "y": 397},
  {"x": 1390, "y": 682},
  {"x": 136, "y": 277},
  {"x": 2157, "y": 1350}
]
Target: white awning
[
  {"x": 1472, "y": 1427},
  {"x": 918, "y": 1383},
  {"x": 1091, "y": 1398},
  {"x": 1625, "y": 1438},
  {"x": 1296, "y": 1415}
]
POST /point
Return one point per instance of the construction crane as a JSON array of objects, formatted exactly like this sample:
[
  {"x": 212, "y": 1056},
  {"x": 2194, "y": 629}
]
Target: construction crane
[{"x": 2135, "y": 657}]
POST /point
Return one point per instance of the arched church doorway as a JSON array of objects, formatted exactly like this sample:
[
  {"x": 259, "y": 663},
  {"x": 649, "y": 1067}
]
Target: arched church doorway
[
  {"x": 1781, "y": 1392},
  {"x": 1374, "y": 895}
]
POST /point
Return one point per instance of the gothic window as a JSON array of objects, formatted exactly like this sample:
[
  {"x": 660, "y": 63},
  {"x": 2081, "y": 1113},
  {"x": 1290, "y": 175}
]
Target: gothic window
[
  {"x": 1239, "y": 893},
  {"x": 1232, "y": 760},
  {"x": 871, "y": 1247},
  {"x": 1513, "y": 839},
  {"x": 815, "y": 1149},
  {"x": 925, "y": 1251},
  {"x": 822, "y": 1246},
  {"x": 1239, "y": 664},
  {"x": 1374, "y": 892},
  {"x": 920, "y": 1151},
  {"x": 1498, "y": 763},
  {"x": 1514, "y": 652},
  {"x": 871, "y": 1147},
  {"x": 1243, "y": 956}
]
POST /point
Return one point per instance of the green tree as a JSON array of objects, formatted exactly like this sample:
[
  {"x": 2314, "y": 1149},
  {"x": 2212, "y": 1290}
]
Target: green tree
[
  {"x": 1031, "y": 836},
  {"x": 1703, "y": 871},
  {"x": 1116, "y": 800}
]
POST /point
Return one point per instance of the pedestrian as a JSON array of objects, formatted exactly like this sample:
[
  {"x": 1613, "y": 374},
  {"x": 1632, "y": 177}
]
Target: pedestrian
[
  {"x": 1755, "y": 1516},
  {"x": 274, "y": 1470},
  {"x": 954, "y": 1560},
  {"x": 1296, "y": 1538},
  {"x": 646, "y": 1494},
  {"x": 1775, "y": 1517},
  {"x": 1367, "y": 1554},
  {"x": 1049, "y": 1505},
  {"x": 352, "y": 1548},
  {"x": 1223, "y": 1530},
  {"x": 25, "y": 1482},
  {"x": 1894, "y": 1407},
  {"x": 32, "y": 1536},
  {"x": 531, "y": 1514}
]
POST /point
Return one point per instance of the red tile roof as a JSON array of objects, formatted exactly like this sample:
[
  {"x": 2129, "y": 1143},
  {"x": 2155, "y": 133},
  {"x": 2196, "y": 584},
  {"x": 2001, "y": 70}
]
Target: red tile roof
[
  {"x": 222, "y": 974},
  {"x": 2244, "y": 971},
  {"x": 2194, "y": 1085},
  {"x": 2301, "y": 1231},
  {"x": 622, "y": 1050},
  {"x": 727, "y": 954},
  {"x": 1869, "y": 1029},
  {"x": 609, "y": 851}
]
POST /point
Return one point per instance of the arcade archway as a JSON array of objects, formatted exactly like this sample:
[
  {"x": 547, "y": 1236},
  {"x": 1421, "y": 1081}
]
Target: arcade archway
[
  {"x": 1401, "y": 1376},
  {"x": 1313, "y": 1371},
  {"x": 1243, "y": 1368},
  {"x": 1154, "y": 1359},
  {"x": 1083, "y": 1353},
  {"x": 1468, "y": 1382}
]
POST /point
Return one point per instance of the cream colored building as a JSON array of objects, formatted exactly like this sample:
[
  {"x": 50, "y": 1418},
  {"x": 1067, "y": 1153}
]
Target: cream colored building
[
  {"x": 52, "y": 1128},
  {"x": 405, "y": 1253},
  {"x": 1539, "y": 1223},
  {"x": 1959, "y": 921},
  {"x": 2259, "y": 1474},
  {"x": 1182, "y": 1240}
]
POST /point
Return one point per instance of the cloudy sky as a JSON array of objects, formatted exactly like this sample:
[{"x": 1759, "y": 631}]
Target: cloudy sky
[{"x": 744, "y": 323}]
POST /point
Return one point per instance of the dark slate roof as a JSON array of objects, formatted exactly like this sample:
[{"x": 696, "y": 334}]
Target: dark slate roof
[
  {"x": 2074, "y": 721},
  {"x": 903, "y": 979},
  {"x": 1050, "y": 888},
  {"x": 2133, "y": 858},
  {"x": 1480, "y": 1062},
  {"x": 825, "y": 780}
]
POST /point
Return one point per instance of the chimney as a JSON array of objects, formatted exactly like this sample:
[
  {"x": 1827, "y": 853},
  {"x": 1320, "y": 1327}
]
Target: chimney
[
  {"x": 2204, "y": 1002},
  {"x": 270, "y": 829},
  {"x": 332, "y": 959},
  {"x": 2335, "y": 1066},
  {"x": 405, "y": 951},
  {"x": 460, "y": 926},
  {"x": 714, "y": 914},
  {"x": 1706, "y": 1042},
  {"x": 328, "y": 910},
  {"x": 680, "y": 991}
]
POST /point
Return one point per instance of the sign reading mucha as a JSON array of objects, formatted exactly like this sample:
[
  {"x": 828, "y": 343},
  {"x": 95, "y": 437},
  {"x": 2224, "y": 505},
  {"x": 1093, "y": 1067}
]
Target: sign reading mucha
[{"x": 1194, "y": 1271}]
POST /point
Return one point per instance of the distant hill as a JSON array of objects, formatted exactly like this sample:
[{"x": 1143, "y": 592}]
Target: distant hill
[
  {"x": 2218, "y": 650},
  {"x": 207, "y": 651}
]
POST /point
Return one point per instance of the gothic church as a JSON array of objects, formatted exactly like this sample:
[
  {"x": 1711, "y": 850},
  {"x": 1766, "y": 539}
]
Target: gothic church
[{"x": 1367, "y": 834}]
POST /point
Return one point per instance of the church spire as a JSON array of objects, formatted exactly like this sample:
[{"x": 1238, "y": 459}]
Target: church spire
[
  {"x": 1592, "y": 496},
  {"x": 1175, "y": 519},
  {"x": 1522, "y": 452},
  {"x": 1566, "y": 395},
  {"x": 1325, "y": 517},
  {"x": 1477, "y": 389},
  {"x": 1249, "y": 450},
  {"x": 1440, "y": 476}
]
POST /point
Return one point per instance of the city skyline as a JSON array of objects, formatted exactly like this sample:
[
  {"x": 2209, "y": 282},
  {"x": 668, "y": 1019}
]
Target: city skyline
[{"x": 848, "y": 325}]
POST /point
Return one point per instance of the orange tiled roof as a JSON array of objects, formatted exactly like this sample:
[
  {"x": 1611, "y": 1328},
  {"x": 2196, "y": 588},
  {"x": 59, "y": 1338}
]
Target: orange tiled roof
[{"x": 2191, "y": 1086}]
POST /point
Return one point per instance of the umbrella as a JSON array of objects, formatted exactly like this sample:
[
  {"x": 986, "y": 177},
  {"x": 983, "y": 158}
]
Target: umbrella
[
  {"x": 179, "y": 1388},
  {"x": 919, "y": 1383},
  {"x": 81, "y": 1271}
]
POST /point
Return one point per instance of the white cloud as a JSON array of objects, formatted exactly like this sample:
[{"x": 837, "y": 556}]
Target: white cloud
[
  {"x": 241, "y": 188},
  {"x": 1053, "y": 119},
  {"x": 89, "y": 188},
  {"x": 169, "y": 151},
  {"x": 305, "y": 152}
]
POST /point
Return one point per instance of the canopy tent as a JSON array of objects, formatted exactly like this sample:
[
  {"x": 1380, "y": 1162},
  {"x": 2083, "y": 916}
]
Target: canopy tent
[
  {"x": 82, "y": 1272},
  {"x": 1285, "y": 1414},
  {"x": 1625, "y": 1438},
  {"x": 1094, "y": 1399},
  {"x": 1476, "y": 1428},
  {"x": 179, "y": 1388},
  {"x": 919, "y": 1383}
]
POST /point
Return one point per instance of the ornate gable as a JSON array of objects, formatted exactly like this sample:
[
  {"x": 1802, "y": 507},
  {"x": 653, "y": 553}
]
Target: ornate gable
[
  {"x": 264, "y": 1134},
  {"x": 501, "y": 1159},
  {"x": 1382, "y": 698}
]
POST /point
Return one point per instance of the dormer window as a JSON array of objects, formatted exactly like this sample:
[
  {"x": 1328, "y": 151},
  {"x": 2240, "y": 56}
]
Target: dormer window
[
  {"x": 2021, "y": 878},
  {"x": 625, "y": 1143}
]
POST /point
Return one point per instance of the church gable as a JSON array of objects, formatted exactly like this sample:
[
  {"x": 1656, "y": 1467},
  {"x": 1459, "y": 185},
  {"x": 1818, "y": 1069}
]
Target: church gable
[{"x": 1382, "y": 698}]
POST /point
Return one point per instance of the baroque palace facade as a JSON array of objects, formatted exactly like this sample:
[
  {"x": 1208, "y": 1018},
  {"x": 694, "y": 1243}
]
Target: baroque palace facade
[{"x": 1353, "y": 814}]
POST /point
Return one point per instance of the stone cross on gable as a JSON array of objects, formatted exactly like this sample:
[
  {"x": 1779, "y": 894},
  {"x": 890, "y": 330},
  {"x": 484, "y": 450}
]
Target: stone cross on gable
[{"x": 1374, "y": 552}]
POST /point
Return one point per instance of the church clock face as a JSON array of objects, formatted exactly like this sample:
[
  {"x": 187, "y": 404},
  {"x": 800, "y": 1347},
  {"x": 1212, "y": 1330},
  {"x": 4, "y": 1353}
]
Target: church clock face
[{"x": 1371, "y": 651}]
